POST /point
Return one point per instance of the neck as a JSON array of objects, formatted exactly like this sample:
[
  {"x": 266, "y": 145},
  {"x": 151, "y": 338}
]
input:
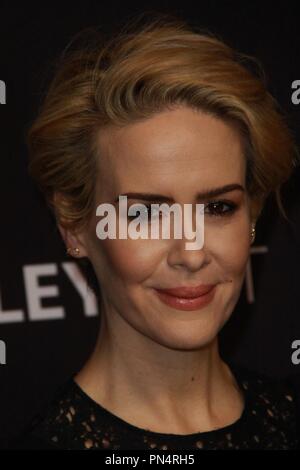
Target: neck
[{"x": 129, "y": 368}]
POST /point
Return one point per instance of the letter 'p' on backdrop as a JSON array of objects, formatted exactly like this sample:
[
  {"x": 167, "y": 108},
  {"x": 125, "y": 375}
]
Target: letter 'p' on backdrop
[{"x": 48, "y": 317}]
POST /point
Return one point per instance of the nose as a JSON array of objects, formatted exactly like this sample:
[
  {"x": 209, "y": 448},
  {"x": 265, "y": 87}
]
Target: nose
[{"x": 191, "y": 260}]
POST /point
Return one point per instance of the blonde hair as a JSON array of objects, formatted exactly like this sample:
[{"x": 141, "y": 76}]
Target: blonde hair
[{"x": 134, "y": 74}]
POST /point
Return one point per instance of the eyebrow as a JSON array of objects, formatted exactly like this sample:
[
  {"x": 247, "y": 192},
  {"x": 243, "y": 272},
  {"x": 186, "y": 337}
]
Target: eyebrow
[{"x": 203, "y": 195}]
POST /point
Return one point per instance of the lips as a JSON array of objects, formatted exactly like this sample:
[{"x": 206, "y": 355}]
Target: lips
[
  {"x": 187, "y": 298},
  {"x": 188, "y": 292}
]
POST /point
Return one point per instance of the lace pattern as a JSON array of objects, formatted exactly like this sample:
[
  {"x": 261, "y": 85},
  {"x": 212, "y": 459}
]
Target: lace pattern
[{"x": 73, "y": 420}]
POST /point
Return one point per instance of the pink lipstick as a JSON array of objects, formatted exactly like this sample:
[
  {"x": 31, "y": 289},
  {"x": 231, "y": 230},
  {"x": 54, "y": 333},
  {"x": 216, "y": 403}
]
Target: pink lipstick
[{"x": 187, "y": 298}]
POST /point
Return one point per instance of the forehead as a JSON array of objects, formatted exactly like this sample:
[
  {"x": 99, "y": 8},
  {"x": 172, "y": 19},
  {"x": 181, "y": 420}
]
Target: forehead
[{"x": 176, "y": 149}]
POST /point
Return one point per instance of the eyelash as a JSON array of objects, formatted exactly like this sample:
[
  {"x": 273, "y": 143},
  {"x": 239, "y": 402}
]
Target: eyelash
[{"x": 232, "y": 208}]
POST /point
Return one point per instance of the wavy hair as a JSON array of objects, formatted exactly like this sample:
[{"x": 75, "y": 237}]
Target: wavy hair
[{"x": 133, "y": 74}]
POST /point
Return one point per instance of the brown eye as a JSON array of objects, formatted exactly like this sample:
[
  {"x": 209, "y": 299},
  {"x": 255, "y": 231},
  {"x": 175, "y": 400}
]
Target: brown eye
[{"x": 221, "y": 208}]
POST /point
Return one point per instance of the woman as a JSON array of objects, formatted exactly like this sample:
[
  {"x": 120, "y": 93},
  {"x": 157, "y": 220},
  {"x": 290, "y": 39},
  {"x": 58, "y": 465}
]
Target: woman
[{"x": 162, "y": 113}]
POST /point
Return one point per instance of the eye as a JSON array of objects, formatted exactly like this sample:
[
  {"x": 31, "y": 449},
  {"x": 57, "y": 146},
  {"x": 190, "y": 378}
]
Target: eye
[
  {"x": 144, "y": 212},
  {"x": 221, "y": 208}
]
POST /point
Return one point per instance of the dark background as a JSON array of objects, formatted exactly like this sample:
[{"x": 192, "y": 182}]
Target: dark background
[{"x": 42, "y": 354}]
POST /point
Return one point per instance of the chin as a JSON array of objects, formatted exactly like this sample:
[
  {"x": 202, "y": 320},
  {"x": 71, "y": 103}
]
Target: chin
[{"x": 187, "y": 339}]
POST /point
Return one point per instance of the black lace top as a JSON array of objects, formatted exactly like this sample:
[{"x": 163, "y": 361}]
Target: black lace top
[{"x": 73, "y": 420}]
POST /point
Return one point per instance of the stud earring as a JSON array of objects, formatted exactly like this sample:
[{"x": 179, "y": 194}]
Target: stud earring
[
  {"x": 252, "y": 234},
  {"x": 75, "y": 250}
]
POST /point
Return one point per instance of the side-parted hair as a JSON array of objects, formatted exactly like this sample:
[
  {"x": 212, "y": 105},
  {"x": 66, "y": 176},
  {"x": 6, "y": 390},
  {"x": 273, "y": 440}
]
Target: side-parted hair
[{"x": 134, "y": 74}]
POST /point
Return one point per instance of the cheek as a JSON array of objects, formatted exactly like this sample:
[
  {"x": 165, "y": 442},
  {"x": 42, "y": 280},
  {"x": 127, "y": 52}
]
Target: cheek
[
  {"x": 230, "y": 245},
  {"x": 236, "y": 258},
  {"x": 129, "y": 260}
]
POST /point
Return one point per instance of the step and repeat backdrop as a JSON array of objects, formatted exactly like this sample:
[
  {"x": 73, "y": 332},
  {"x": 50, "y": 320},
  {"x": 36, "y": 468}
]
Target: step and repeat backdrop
[{"x": 49, "y": 319}]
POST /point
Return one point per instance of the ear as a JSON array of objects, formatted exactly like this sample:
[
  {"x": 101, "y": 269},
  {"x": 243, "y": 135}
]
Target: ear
[
  {"x": 256, "y": 207},
  {"x": 72, "y": 241}
]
